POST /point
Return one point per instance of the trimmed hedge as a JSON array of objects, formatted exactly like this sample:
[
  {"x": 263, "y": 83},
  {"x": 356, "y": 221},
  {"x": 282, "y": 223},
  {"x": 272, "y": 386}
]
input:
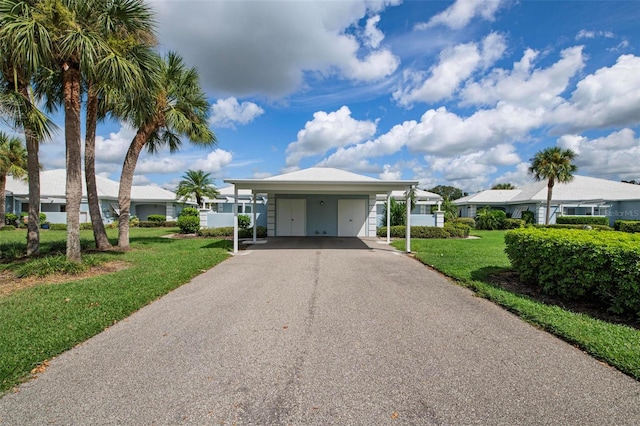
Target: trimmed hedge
[
  {"x": 469, "y": 221},
  {"x": 582, "y": 220},
  {"x": 188, "y": 224},
  {"x": 571, "y": 264},
  {"x": 58, "y": 226},
  {"x": 156, "y": 218},
  {"x": 580, "y": 227},
  {"x": 632, "y": 226},
  {"x": 513, "y": 223},
  {"x": 449, "y": 231},
  {"x": 151, "y": 224},
  {"x": 227, "y": 231}
]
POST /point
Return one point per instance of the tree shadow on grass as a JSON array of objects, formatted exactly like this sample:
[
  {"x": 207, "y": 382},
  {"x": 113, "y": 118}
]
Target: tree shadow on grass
[
  {"x": 507, "y": 279},
  {"x": 220, "y": 244}
]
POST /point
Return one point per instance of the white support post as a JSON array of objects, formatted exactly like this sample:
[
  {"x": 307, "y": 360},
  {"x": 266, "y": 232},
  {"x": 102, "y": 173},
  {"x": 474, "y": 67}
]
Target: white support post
[
  {"x": 389, "y": 218},
  {"x": 408, "y": 231},
  {"x": 255, "y": 225},
  {"x": 235, "y": 219}
]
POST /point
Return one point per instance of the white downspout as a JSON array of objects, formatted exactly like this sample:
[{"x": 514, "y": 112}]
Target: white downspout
[
  {"x": 389, "y": 218},
  {"x": 235, "y": 219},
  {"x": 255, "y": 225},
  {"x": 408, "y": 231}
]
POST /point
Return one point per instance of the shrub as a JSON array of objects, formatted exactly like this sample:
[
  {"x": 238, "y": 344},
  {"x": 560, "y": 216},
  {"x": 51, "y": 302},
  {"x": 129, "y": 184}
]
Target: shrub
[
  {"x": 10, "y": 219},
  {"x": 631, "y": 226},
  {"x": 150, "y": 224},
  {"x": 188, "y": 224},
  {"x": 58, "y": 226},
  {"x": 189, "y": 211},
  {"x": 244, "y": 221},
  {"x": 528, "y": 216},
  {"x": 580, "y": 227},
  {"x": 261, "y": 232},
  {"x": 156, "y": 218},
  {"x": 134, "y": 222},
  {"x": 171, "y": 223},
  {"x": 582, "y": 220},
  {"x": 426, "y": 231},
  {"x": 469, "y": 221},
  {"x": 513, "y": 223},
  {"x": 86, "y": 226},
  {"x": 43, "y": 217},
  {"x": 227, "y": 231},
  {"x": 8, "y": 228},
  {"x": 490, "y": 219},
  {"x": 572, "y": 264}
]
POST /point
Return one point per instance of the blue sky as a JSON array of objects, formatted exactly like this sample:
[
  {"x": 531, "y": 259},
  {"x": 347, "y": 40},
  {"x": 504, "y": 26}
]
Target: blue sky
[{"x": 457, "y": 93}]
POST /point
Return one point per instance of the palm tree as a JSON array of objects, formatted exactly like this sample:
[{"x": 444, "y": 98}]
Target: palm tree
[
  {"x": 553, "y": 164},
  {"x": 503, "y": 186},
  {"x": 174, "y": 105},
  {"x": 198, "y": 184},
  {"x": 13, "y": 161},
  {"x": 24, "y": 48}
]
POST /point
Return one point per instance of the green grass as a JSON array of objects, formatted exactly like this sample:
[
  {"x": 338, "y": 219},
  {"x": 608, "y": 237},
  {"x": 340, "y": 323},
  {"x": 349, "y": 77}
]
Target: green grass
[
  {"x": 471, "y": 261},
  {"x": 41, "y": 322}
]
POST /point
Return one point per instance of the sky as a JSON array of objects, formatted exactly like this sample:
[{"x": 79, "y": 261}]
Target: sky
[{"x": 457, "y": 93}]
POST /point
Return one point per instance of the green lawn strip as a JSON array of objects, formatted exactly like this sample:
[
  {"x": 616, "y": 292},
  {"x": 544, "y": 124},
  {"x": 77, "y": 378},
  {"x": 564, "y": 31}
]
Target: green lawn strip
[
  {"x": 39, "y": 323},
  {"x": 470, "y": 261}
]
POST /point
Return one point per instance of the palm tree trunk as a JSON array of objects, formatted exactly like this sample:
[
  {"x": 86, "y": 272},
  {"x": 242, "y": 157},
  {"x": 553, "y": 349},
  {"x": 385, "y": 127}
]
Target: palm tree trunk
[
  {"x": 99, "y": 233},
  {"x": 3, "y": 185},
  {"x": 549, "y": 193},
  {"x": 126, "y": 181},
  {"x": 33, "y": 173},
  {"x": 71, "y": 87}
]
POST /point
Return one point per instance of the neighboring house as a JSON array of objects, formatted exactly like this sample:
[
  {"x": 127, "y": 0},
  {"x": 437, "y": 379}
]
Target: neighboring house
[
  {"x": 220, "y": 209},
  {"x": 145, "y": 200},
  {"x": 421, "y": 214},
  {"x": 584, "y": 196}
]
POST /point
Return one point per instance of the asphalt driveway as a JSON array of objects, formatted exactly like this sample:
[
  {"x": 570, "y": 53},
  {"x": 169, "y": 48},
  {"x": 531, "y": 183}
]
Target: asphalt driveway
[{"x": 341, "y": 332}]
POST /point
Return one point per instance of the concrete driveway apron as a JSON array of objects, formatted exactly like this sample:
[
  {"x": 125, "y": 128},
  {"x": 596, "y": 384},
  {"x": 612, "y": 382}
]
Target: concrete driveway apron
[{"x": 336, "y": 331}]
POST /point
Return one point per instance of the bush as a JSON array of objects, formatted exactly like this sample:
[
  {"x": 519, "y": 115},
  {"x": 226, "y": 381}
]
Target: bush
[
  {"x": 631, "y": 226},
  {"x": 86, "y": 226},
  {"x": 450, "y": 231},
  {"x": 227, "y": 231},
  {"x": 528, "y": 216},
  {"x": 156, "y": 218},
  {"x": 188, "y": 224},
  {"x": 134, "y": 222},
  {"x": 490, "y": 219},
  {"x": 10, "y": 219},
  {"x": 171, "y": 223},
  {"x": 151, "y": 224},
  {"x": 582, "y": 220},
  {"x": 189, "y": 211},
  {"x": 8, "y": 228},
  {"x": 58, "y": 226},
  {"x": 43, "y": 217},
  {"x": 244, "y": 221},
  {"x": 469, "y": 221},
  {"x": 574, "y": 264},
  {"x": 513, "y": 223},
  {"x": 580, "y": 227}
]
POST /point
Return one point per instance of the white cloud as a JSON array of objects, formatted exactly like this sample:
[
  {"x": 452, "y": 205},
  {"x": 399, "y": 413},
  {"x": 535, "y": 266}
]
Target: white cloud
[
  {"x": 582, "y": 34},
  {"x": 390, "y": 173},
  {"x": 518, "y": 177},
  {"x": 266, "y": 47},
  {"x": 227, "y": 112},
  {"x": 114, "y": 148},
  {"x": 372, "y": 35},
  {"x": 524, "y": 86},
  {"x": 458, "y": 15},
  {"x": 327, "y": 131},
  {"x": 455, "y": 65},
  {"x": 141, "y": 180},
  {"x": 616, "y": 155},
  {"x": 214, "y": 162},
  {"x": 160, "y": 165},
  {"x": 261, "y": 175},
  {"x": 609, "y": 97}
]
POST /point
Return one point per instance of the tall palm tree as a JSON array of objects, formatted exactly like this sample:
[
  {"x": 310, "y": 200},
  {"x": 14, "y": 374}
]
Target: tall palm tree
[
  {"x": 86, "y": 41},
  {"x": 120, "y": 19},
  {"x": 555, "y": 165},
  {"x": 13, "y": 161},
  {"x": 198, "y": 184},
  {"x": 24, "y": 49},
  {"x": 173, "y": 106}
]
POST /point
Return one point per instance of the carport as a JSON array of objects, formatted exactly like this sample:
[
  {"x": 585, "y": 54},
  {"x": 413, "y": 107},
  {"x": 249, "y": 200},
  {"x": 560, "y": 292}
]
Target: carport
[{"x": 321, "y": 201}]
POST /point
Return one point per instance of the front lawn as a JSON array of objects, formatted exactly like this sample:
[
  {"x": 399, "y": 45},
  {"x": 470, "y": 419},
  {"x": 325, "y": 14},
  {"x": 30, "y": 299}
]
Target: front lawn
[
  {"x": 42, "y": 321},
  {"x": 472, "y": 261}
]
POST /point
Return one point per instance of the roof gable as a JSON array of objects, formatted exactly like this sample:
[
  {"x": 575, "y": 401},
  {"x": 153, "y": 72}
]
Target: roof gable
[{"x": 322, "y": 174}]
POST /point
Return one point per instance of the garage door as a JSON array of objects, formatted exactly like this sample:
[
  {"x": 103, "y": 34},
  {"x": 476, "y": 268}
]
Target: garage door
[
  {"x": 352, "y": 216},
  {"x": 290, "y": 217}
]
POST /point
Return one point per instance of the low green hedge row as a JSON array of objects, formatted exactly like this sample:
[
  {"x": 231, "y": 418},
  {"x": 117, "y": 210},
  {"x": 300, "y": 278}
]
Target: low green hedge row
[
  {"x": 449, "y": 231},
  {"x": 570, "y": 264},
  {"x": 227, "y": 231},
  {"x": 582, "y": 220},
  {"x": 469, "y": 221},
  {"x": 627, "y": 225},
  {"x": 513, "y": 223},
  {"x": 581, "y": 227}
]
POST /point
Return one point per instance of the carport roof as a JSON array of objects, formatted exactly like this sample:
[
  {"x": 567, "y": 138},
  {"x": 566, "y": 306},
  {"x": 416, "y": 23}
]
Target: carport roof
[{"x": 322, "y": 179}]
